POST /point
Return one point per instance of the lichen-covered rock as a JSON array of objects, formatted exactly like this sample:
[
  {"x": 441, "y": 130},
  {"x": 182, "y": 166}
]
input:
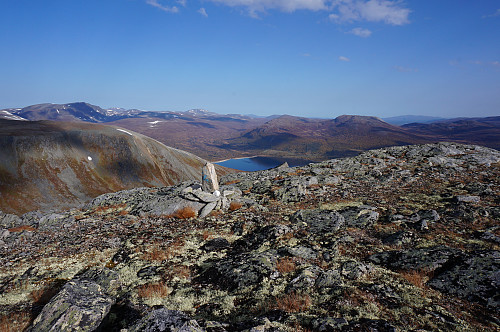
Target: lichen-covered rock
[
  {"x": 259, "y": 237},
  {"x": 476, "y": 278},
  {"x": 164, "y": 320},
  {"x": 319, "y": 221},
  {"x": 239, "y": 272},
  {"x": 354, "y": 270},
  {"x": 361, "y": 217},
  {"x": 400, "y": 238},
  {"x": 329, "y": 324},
  {"x": 82, "y": 304},
  {"x": 430, "y": 258},
  {"x": 9, "y": 220}
]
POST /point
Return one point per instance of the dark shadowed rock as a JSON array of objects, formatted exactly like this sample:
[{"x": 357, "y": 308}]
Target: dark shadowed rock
[
  {"x": 328, "y": 324},
  {"x": 431, "y": 258},
  {"x": 241, "y": 271},
  {"x": 164, "y": 320},
  {"x": 475, "y": 278},
  {"x": 216, "y": 244}
]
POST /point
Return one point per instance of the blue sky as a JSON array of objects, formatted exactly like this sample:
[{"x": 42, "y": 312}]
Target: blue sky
[{"x": 315, "y": 58}]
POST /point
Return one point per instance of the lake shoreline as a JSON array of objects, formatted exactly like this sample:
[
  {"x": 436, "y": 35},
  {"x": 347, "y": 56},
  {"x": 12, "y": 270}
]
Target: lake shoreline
[{"x": 260, "y": 163}]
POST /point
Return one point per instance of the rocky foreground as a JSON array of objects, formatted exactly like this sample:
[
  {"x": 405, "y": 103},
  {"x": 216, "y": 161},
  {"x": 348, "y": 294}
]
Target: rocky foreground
[{"x": 396, "y": 239}]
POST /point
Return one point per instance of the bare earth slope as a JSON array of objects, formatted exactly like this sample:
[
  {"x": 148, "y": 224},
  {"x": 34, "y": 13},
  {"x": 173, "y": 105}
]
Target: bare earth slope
[
  {"x": 53, "y": 165},
  {"x": 395, "y": 239}
]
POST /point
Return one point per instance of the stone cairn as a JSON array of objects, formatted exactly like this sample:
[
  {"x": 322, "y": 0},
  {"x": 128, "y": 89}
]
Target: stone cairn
[{"x": 209, "y": 194}]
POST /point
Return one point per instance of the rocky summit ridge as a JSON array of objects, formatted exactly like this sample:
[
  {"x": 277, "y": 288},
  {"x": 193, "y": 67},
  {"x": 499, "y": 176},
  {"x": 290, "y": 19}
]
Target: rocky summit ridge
[{"x": 395, "y": 239}]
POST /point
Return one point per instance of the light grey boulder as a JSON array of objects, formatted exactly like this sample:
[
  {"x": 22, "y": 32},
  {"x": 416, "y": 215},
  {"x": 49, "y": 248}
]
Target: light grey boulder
[
  {"x": 9, "y": 220},
  {"x": 209, "y": 180}
]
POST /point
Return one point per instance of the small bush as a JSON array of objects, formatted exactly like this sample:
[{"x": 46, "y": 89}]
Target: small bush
[
  {"x": 285, "y": 265},
  {"x": 181, "y": 271},
  {"x": 207, "y": 235},
  {"x": 153, "y": 290},
  {"x": 235, "y": 206},
  {"x": 185, "y": 213},
  {"x": 15, "y": 322},
  {"x": 417, "y": 278},
  {"x": 293, "y": 302},
  {"x": 155, "y": 254}
]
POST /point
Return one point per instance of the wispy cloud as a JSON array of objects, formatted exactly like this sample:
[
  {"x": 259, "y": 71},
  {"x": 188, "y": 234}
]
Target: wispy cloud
[
  {"x": 343, "y": 58},
  {"x": 402, "y": 69},
  {"x": 494, "y": 64},
  {"x": 360, "y": 32},
  {"x": 495, "y": 14},
  {"x": 388, "y": 11},
  {"x": 203, "y": 12},
  {"x": 168, "y": 9}
]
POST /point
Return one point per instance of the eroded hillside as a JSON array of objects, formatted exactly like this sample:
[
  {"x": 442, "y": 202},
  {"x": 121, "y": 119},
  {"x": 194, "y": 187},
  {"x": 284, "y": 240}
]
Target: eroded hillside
[
  {"x": 56, "y": 165},
  {"x": 396, "y": 239}
]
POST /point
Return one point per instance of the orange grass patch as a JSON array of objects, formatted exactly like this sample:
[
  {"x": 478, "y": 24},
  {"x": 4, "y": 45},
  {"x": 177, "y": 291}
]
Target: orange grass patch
[
  {"x": 235, "y": 206},
  {"x": 153, "y": 290},
  {"x": 285, "y": 265},
  {"x": 293, "y": 302},
  {"x": 22, "y": 229},
  {"x": 185, "y": 213}
]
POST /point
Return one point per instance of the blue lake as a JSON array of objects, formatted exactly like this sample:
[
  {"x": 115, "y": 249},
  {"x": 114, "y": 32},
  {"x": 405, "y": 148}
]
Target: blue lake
[{"x": 260, "y": 163}]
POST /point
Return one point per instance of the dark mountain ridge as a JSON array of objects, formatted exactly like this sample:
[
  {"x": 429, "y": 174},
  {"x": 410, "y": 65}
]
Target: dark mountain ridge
[{"x": 482, "y": 131}]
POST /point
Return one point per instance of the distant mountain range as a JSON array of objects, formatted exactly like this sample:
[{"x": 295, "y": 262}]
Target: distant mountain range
[
  {"x": 405, "y": 119},
  {"x": 50, "y": 165},
  {"x": 214, "y": 136}
]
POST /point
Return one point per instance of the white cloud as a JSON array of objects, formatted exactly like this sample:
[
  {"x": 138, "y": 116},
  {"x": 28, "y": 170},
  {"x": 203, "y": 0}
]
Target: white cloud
[
  {"x": 203, "y": 12},
  {"x": 389, "y": 12},
  {"x": 182, "y": 2},
  {"x": 361, "y": 32},
  {"x": 343, "y": 58},
  {"x": 495, "y": 14},
  {"x": 168, "y": 9}
]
